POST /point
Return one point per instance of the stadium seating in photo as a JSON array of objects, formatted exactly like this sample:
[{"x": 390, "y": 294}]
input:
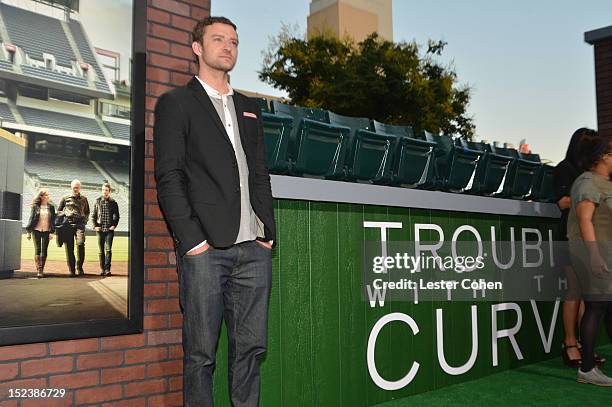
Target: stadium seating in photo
[
  {"x": 6, "y": 114},
  {"x": 313, "y": 142},
  {"x": 118, "y": 130},
  {"x": 26, "y": 29},
  {"x": 78, "y": 33},
  {"x": 60, "y": 121}
]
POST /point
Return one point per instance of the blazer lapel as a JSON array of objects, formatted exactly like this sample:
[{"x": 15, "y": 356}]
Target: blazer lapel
[
  {"x": 200, "y": 94},
  {"x": 240, "y": 117}
]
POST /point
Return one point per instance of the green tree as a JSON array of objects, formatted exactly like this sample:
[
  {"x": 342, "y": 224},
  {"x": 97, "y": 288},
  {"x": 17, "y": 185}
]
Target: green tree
[{"x": 379, "y": 79}]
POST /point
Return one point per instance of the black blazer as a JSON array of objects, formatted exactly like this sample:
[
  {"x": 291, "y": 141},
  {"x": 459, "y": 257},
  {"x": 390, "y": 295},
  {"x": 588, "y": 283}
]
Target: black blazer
[
  {"x": 35, "y": 216},
  {"x": 198, "y": 185},
  {"x": 96, "y": 216}
]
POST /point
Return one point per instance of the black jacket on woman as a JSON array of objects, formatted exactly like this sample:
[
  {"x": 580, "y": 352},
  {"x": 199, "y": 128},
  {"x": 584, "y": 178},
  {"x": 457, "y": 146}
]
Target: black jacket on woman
[{"x": 35, "y": 216}]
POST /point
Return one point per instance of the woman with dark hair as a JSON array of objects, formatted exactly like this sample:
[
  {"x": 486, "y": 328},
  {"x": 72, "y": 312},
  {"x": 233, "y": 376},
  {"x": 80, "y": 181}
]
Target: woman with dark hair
[
  {"x": 589, "y": 230},
  {"x": 565, "y": 174},
  {"x": 42, "y": 225}
]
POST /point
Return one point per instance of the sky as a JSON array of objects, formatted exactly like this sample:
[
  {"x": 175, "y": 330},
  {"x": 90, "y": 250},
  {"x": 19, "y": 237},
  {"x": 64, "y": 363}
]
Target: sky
[{"x": 532, "y": 75}]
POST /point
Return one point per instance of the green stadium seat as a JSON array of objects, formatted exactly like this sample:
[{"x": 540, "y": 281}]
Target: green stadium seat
[
  {"x": 456, "y": 165},
  {"x": 492, "y": 172},
  {"x": 315, "y": 147},
  {"x": 369, "y": 154},
  {"x": 543, "y": 186},
  {"x": 276, "y": 130},
  {"x": 263, "y": 104},
  {"x": 413, "y": 158},
  {"x": 522, "y": 172}
]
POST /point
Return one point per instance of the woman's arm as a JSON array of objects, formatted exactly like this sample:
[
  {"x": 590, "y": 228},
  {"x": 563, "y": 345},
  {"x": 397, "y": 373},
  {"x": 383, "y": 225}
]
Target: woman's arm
[{"x": 584, "y": 212}]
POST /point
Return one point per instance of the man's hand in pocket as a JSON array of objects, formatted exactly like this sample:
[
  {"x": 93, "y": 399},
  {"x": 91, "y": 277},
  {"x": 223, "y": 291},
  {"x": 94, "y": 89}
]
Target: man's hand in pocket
[{"x": 198, "y": 250}]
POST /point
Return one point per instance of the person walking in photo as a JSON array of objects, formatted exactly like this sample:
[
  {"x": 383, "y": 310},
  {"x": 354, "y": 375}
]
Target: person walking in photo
[
  {"x": 589, "y": 230},
  {"x": 74, "y": 208},
  {"x": 42, "y": 225},
  {"x": 214, "y": 189},
  {"x": 105, "y": 218}
]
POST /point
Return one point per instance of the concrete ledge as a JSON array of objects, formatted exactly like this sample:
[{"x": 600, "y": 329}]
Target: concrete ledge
[{"x": 308, "y": 189}]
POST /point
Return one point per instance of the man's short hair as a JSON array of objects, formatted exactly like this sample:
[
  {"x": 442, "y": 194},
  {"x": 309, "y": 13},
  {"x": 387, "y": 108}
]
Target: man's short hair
[
  {"x": 107, "y": 185},
  {"x": 198, "y": 31},
  {"x": 74, "y": 182}
]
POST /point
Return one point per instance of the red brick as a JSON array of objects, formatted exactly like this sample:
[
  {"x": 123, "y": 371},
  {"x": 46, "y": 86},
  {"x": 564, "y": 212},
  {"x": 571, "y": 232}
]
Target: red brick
[
  {"x": 157, "y": 45},
  {"x": 175, "y": 352},
  {"x": 149, "y": 119},
  {"x": 163, "y": 337},
  {"x": 139, "y": 402},
  {"x": 11, "y": 403},
  {"x": 155, "y": 290},
  {"x": 166, "y": 400},
  {"x": 179, "y": 79},
  {"x": 161, "y": 306},
  {"x": 164, "y": 61},
  {"x": 174, "y": 6},
  {"x": 181, "y": 51},
  {"x": 168, "y": 33},
  {"x": 175, "y": 383},
  {"x": 151, "y": 101},
  {"x": 150, "y": 195},
  {"x": 175, "y": 320},
  {"x": 45, "y": 366},
  {"x": 155, "y": 321},
  {"x": 160, "y": 242},
  {"x": 75, "y": 380},
  {"x": 173, "y": 367},
  {"x": 199, "y": 13},
  {"x": 157, "y": 89},
  {"x": 162, "y": 274},
  {"x": 8, "y": 371},
  {"x": 23, "y": 351},
  {"x": 149, "y": 164},
  {"x": 155, "y": 258},
  {"x": 146, "y": 355},
  {"x": 38, "y": 383},
  {"x": 173, "y": 289},
  {"x": 153, "y": 211},
  {"x": 123, "y": 374},
  {"x": 74, "y": 346},
  {"x": 149, "y": 130},
  {"x": 158, "y": 16},
  {"x": 98, "y": 394},
  {"x": 152, "y": 227},
  {"x": 49, "y": 402},
  {"x": 97, "y": 360},
  {"x": 123, "y": 342},
  {"x": 146, "y": 387},
  {"x": 183, "y": 23},
  {"x": 172, "y": 257}
]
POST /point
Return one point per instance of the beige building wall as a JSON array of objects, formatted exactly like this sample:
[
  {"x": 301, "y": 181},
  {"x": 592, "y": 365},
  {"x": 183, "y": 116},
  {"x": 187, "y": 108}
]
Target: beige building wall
[{"x": 355, "y": 18}]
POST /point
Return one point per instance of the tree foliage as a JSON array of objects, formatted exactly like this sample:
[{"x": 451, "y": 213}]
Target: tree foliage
[{"x": 389, "y": 82}]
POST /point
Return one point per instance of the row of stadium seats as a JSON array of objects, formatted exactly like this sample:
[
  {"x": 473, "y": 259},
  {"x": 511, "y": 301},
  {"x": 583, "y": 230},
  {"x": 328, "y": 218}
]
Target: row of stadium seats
[
  {"x": 62, "y": 121},
  {"x": 25, "y": 29},
  {"x": 313, "y": 142}
]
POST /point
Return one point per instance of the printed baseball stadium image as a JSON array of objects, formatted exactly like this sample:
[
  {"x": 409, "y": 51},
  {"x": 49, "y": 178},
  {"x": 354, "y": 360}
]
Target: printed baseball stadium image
[
  {"x": 305, "y": 203},
  {"x": 65, "y": 86}
]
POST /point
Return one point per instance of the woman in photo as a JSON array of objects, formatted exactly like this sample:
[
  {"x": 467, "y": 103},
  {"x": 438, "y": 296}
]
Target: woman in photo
[
  {"x": 589, "y": 231},
  {"x": 41, "y": 225}
]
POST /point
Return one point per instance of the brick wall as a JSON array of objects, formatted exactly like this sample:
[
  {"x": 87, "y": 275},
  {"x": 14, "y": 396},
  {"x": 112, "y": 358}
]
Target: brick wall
[
  {"x": 603, "y": 83},
  {"x": 131, "y": 370}
]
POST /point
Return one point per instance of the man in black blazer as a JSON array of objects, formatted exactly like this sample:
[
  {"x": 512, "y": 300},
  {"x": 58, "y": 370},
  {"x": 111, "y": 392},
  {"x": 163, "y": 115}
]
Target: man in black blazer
[{"x": 214, "y": 189}]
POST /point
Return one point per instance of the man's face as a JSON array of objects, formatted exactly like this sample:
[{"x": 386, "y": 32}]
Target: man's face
[
  {"x": 219, "y": 48},
  {"x": 76, "y": 188},
  {"x": 105, "y": 191}
]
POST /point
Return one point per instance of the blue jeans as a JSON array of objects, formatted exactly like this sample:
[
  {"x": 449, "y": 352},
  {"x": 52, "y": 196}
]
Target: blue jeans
[{"x": 230, "y": 284}]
